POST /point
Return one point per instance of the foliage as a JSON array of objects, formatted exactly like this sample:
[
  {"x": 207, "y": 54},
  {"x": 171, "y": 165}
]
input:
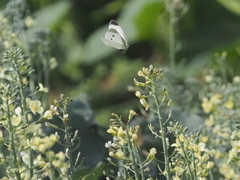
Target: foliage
[{"x": 186, "y": 124}]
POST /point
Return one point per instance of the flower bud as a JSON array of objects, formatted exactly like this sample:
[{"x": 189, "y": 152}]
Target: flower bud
[
  {"x": 139, "y": 83},
  {"x": 131, "y": 114},
  {"x": 145, "y": 104}
]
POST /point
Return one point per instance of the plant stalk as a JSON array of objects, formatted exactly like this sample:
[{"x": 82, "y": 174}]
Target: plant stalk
[{"x": 163, "y": 134}]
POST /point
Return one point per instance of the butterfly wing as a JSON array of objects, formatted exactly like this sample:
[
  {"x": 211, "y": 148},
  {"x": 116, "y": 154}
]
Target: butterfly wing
[
  {"x": 114, "y": 39},
  {"x": 114, "y": 25}
]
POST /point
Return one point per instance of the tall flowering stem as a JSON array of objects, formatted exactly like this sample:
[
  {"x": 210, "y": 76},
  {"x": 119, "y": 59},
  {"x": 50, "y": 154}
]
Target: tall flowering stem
[
  {"x": 176, "y": 9},
  {"x": 126, "y": 150},
  {"x": 62, "y": 104},
  {"x": 18, "y": 71},
  {"x": 151, "y": 76},
  {"x": 7, "y": 101},
  {"x": 191, "y": 158}
]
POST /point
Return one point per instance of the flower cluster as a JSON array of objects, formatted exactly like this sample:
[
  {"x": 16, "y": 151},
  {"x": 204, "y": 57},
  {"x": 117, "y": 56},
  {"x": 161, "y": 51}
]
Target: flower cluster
[
  {"x": 234, "y": 152},
  {"x": 125, "y": 148},
  {"x": 220, "y": 101},
  {"x": 192, "y": 158}
]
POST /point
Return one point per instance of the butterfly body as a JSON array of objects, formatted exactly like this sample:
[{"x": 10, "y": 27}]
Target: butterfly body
[{"x": 115, "y": 37}]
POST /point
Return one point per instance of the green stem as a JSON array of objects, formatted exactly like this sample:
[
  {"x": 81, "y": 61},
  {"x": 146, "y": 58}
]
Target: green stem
[
  {"x": 211, "y": 175},
  {"x": 46, "y": 78},
  {"x": 163, "y": 134},
  {"x": 24, "y": 109},
  {"x": 186, "y": 160},
  {"x": 172, "y": 40},
  {"x": 12, "y": 143},
  {"x": 132, "y": 156},
  {"x": 194, "y": 166},
  {"x": 223, "y": 71},
  {"x": 140, "y": 160},
  {"x": 68, "y": 138}
]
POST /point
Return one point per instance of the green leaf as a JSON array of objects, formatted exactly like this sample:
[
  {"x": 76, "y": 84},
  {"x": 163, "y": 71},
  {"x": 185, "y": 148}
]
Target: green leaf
[
  {"x": 52, "y": 14},
  {"x": 231, "y": 5},
  {"x": 147, "y": 19},
  {"x": 91, "y": 173},
  {"x": 3, "y": 119}
]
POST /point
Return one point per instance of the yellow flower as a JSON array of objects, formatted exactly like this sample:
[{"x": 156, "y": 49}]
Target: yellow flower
[
  {"x": 119, "y": 154},
  {"x": 42, "y": 147},
  {"x": 48, "y": 115},
  {"x": 206, "y": 105},
  {"x": 216, "y": 98},
  {"x": 25, "y": 81},
  {"x": 179, "y": 170},
  {"x": 204, "y": 139},
  {"x": 7, "y": 44},
  {"x": 41, "y": 88},
  {"x": 53, "y": 137},
  {"x": 4, "y": 178},
  {"x": 236, "y": 79},
  {"x": 65, "y": 118},
  {"x": 229, "y": 104},
  {"x": 145, "y": 104},
  {"x": 216, "y": 129},
  {"x": 29, "y": 21},
  {"x": 61, "y": 155},
  {"x": 232, "y": 154},
  {"x": 210, "y": 121},
  {"x": 151, "y": 154},
  {"x": 134, "y": 137},
  {"x": 35, "y": 107},
  {"x": 39, "y": 161},
  {"x": 131, "y": 114},
  {"x": 139, "y": 83},
  {"x": 1, "y": 136},
  {"x": 182, "y": 138},
  {"x": 236, "y": 145},
  {"x": 176, "y": 178},
  {"x": 113, "y": 130},
  {"x": 15, "y": 120},
  {"x": 208, "y": 78},
  {"x": 139, "y": 95},
  {"x": 210, "y": 164},
  {"x": 205, "y": 157},
  {"x": 140, "y": 73},
  {"x": 121, "y": 132},
  {"x": 218, "y": 154},
  {"x": 53, "y": 63},
  {"x": 34, "y": 142},
  {"x": 210, "y": 152}
]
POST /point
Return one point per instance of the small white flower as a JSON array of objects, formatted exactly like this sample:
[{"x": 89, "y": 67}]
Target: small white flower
[
  {"x": 18, "y": 111},
  {"x": 108, "y": 144},
  {"x": 24, "y": 156},
  {"x": 54, "y": 110}
]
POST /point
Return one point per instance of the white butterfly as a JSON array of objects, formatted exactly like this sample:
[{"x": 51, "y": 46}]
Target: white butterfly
[{"x": 115, "y": 37}]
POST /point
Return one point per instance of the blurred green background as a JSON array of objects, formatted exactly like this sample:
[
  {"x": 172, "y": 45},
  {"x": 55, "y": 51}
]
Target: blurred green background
[{"x": 86, "y": 65}]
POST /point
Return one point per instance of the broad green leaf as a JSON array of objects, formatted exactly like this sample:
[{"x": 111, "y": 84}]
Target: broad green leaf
[
  {"x": 232, "y": 5},
  {"x": 95, "y": 173},
  {"x": 52, "y": 14}
]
